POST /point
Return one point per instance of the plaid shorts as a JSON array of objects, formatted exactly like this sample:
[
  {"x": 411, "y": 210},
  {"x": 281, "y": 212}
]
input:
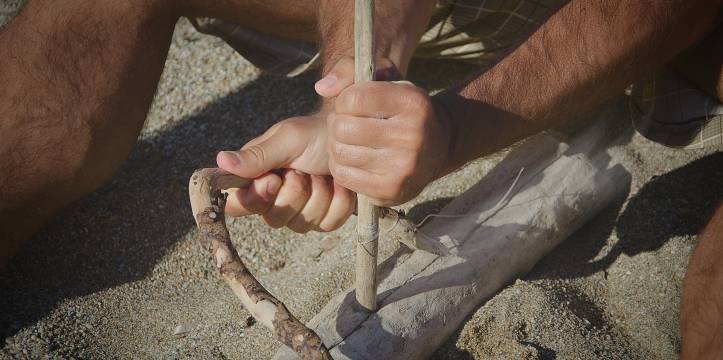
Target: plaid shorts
[
  {"x": 477, "y": 31},
  {"x": 664, "y": 109}
]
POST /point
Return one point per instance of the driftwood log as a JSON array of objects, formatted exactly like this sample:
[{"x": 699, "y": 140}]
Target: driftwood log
[
  {"x": 486, "y": 240},
  {"x": 207, "y": 204}
]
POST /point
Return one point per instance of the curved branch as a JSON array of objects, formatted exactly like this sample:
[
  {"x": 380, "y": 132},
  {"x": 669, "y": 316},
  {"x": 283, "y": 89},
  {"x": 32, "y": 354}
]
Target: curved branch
[{"x": 207, "y": 204}]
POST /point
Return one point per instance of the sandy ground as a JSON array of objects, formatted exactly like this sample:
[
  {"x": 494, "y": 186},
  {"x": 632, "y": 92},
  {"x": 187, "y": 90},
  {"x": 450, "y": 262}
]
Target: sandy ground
[{"x": 115, "y": 274}]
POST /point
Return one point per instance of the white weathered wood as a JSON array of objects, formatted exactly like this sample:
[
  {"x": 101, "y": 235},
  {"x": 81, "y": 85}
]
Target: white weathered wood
[
  {"x": 424, "y": 297},
  {"x": 368, "y": 214}
]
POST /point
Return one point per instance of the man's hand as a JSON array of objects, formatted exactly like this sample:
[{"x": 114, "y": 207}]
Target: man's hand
[
  {"x": 386, "y": 142},
  {"x": 297, "y": 143},
  {"x": 307, "y": 198}
]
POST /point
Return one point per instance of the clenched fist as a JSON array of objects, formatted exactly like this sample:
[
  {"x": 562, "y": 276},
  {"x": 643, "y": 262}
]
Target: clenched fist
[
  {"x": 386, "y": 141},
  {"x": 290, "y": 166}
]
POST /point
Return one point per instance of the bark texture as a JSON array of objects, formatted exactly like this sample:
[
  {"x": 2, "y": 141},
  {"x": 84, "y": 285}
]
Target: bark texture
[{"x": 208, "y": 204}]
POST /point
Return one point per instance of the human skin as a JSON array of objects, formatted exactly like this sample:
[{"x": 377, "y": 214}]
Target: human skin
[
  {"x": 80, "y": 70},
  {"x": 87, "y": 70},
  {"x": 702, "y": 303},
  {"x": 585, "y": 54},
  {"x": 309, "y": 199},
  {"x": 381, "y": 133}
]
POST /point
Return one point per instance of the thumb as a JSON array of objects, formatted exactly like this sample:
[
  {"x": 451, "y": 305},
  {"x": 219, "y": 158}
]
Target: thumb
[
  {"x": 259, "y": 157},
  {"x": 339, "y": 78},
  {"x": 332, "y": 84},
  {"x": 342, "y": 76}
]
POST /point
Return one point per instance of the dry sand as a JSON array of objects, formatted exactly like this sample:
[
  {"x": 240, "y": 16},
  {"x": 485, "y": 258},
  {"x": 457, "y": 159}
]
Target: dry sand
[{"x": 115, "y": 274}]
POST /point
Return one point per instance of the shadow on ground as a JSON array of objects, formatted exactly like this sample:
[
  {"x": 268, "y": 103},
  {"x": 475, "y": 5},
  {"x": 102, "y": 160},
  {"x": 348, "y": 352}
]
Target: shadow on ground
[
  {"x": 117, "y": 234},
  {"x": 678, "y": 203}
]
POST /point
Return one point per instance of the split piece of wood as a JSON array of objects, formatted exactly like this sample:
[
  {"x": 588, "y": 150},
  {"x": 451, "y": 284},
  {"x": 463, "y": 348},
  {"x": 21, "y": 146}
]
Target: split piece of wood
[
  {"x": 207, "y": 204},
  {"x": 424, "y": 297}
]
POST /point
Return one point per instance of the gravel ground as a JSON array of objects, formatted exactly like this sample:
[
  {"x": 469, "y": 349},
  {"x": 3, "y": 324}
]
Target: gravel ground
[{"x": 118, "y": 273}]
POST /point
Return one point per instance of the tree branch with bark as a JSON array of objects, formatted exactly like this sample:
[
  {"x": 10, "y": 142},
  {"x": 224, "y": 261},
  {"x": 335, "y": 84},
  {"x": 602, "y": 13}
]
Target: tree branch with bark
[{"x": 207, "y": 203}]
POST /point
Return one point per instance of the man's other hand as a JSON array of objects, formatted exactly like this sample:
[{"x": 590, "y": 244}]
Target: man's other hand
[
  {"x": 293, "y": 198},
  {"x": 306, "y": 198}
]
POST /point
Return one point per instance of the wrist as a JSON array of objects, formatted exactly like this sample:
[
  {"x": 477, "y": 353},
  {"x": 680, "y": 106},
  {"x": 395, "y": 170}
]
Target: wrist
[
  {"x": 442, "y": 103},
  {"x": 442, "y": 111},
  {"x": 476, "y": 128}
]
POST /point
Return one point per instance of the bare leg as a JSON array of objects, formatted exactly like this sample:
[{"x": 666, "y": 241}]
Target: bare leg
[
  {"x": 78, "y": 79},
  {"x": 702, "y": 305},
  {"x": 703, "y": 64}
]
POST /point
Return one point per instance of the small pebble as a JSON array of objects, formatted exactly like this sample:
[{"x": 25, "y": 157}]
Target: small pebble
[{"x": 250, "y": 321}]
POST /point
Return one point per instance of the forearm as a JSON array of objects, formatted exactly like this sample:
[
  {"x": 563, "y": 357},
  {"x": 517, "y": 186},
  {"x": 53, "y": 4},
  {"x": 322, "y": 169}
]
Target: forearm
[
  {"x": 398, "y": 26},
  {"x": 702, "y": 303},
  {"x": 586, "y": 53}
]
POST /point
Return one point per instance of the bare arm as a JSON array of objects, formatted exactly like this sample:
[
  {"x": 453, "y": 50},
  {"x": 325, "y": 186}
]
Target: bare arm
[
  {"x": 314, "y": 202},
  {"x": 586, "y": 53},
  {"x": 399, "y": 24}
]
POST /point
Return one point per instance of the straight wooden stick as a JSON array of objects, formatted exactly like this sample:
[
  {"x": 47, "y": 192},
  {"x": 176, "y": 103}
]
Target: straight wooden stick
[{"x": 368, "y": 214}]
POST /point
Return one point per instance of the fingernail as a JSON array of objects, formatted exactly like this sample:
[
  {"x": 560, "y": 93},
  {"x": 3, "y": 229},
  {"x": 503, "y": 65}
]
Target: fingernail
[
  {"x": 273, "y": 187},
  {"x": 327, "y": 81},
  {"x": 233, "y": 156}
]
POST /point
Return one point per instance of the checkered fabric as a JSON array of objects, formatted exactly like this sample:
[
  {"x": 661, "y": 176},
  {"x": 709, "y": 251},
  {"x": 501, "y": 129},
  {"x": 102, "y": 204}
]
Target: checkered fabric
[
  {"x": 477, "y": 31},
  {"x": 480, "y": 31},
  {"x": 669, "y": 111},
  {"x": 664, "y": 109}
]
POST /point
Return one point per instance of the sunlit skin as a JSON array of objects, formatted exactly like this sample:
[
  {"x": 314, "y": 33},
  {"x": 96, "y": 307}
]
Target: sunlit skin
[
  {"x": 381, "y": 136},
  {"x": 87, "y": 71}
]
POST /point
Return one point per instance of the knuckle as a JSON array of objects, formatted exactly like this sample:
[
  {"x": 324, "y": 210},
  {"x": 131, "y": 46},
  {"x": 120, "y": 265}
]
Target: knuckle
[
  {"x": 298, "y": 189},
  {"x": 273, "y": 221},
  {"x": 406, "y": 169},
  {"x": 342, "y": 127},
  {"x": 393, "y": 191},
  {"x": 330, "y": 226},
  {"x": 299, "y": 227},
  {"x": 387, "y": 195},
  {"x": 288, "y": 126},
  {"x": 331, "y": 121},
  {"x": 333, "y": 224},
  {"x": 257, "y": 152},
  {"x": 275, "y": 127},
  {"x": 416, "y": 98},
  {"x": 412, "y": 138},
  {"x": 336, "y": 151},
  {"x": 351, "y": 99},
  {"x": 340, "y": 175}
]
